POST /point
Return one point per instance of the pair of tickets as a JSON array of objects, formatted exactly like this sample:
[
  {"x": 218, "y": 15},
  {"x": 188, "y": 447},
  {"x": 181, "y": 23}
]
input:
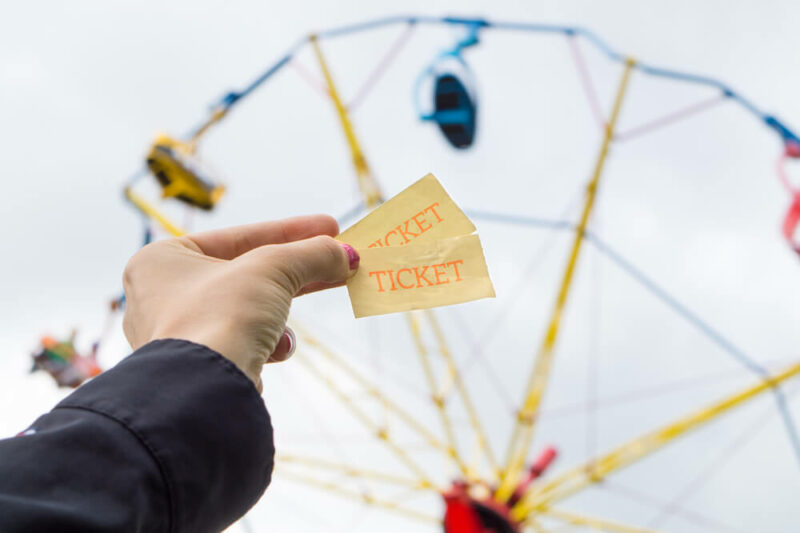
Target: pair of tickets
[{"x": 418, "y": 250}]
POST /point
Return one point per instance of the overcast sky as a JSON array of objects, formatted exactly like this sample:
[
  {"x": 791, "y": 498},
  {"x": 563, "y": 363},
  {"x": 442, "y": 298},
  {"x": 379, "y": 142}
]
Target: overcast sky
[{"x": 697, "y": 206}]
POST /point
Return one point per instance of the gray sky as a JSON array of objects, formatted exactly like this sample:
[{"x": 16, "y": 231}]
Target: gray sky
[{"x": 85, "y": 86}]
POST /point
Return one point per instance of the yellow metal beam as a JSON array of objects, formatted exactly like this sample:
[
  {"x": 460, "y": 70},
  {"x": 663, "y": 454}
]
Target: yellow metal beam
[
  {"x": 366, "y": 182},
  {"x": 151, "y": 212},
  {"x": 522, "y": 435},
  {"x": 335, "y": 488},
  {"x": 372, "y": 197},
  {"x": 472, "y": 413},
  {"x": 436, "y": 397},
  {"x": 216, "y": 115},
  {"x": 539, "y": 497},
  {"x": 380, "y": 432},
  {"x": 351, "y": 471},
  {"x": 598, "y": 524},
  {"x": 370, "y": 388}
]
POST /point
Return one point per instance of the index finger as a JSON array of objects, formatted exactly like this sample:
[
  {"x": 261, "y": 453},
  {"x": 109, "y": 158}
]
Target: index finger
[{"x": 229, "y": 243}]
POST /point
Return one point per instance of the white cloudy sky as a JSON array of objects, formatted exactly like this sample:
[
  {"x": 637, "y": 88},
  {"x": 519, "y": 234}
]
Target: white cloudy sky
[{"x": 85, "y": 85}]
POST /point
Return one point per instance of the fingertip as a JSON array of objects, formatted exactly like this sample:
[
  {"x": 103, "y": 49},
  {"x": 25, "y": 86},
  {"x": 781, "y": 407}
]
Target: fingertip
[
  {"x": 321, "y": 224},
  {"x": 331, "y": 224}
]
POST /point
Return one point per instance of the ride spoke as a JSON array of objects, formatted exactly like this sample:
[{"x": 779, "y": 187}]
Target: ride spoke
[
  {"x": 351, "y": 471},
  {"x": 594, "y": 470},
  {"x": 151, "y": 212},
  {"x": 373, "y": 391},
  {"x": 366, "y": 498},
  {"x": 379, "y": 431},
  {"x": 472, "y": 413},
  {"x": 366, "y": 182},
  {"x": 522, "y": 435},
  {"x": 436, "y": 396}
]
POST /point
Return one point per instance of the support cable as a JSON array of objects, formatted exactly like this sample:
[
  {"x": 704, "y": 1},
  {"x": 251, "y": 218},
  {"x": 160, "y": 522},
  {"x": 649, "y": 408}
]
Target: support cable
[
  {"x": 593, "y": 354},
  {"x": 380, "y": 69},
  {"x": 479, "y": 357},
  {"x": 709, "y": 469},
  {"x": 671, "y": 118},
  {"x": 693, "y": 517},
  {"x": 586, "y": 82},
  {"x": 646, "y": 393},
  {"x": 707, "y": 330},
  {"x": 664, "y": 296},
  {"x": 594, "y": 523},
  {"x": 516, "y": 292},
  {"x": 312, "y": 81}
]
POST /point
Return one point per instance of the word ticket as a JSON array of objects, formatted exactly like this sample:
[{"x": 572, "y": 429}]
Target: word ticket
[{"x": 418, "y": 250}]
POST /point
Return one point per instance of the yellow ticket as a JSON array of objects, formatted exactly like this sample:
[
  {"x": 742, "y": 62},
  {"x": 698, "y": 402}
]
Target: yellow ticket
[
  {"x": 430, "y": 274},
  {"x": 423, "y": 212}
]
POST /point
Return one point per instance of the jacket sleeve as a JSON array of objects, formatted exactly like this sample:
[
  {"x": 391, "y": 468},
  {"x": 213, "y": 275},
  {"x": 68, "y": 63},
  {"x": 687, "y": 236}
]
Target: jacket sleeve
[{"x": 173, "y": 439}]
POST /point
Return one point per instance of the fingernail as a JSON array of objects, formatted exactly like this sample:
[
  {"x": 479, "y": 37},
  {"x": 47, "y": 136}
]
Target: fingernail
[
  {"x": 292, "y": 341},
  {"x": 352, "y": 256}
]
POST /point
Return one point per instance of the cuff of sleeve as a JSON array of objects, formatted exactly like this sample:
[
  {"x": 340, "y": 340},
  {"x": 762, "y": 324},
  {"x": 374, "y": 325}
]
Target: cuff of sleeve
[{"x": 201, "y": 419}]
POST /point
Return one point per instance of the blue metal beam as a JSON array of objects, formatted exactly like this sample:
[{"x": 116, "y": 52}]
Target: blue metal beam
[{"x": 786, "y": 134}]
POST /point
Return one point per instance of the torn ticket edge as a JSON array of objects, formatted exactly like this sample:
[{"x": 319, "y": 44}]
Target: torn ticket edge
[
  {"x": 443, "y": 272},
  {"x": 423, "y": 212}
]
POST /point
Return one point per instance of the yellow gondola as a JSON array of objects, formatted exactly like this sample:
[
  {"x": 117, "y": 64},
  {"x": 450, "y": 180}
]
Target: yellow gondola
[{"x": 180, "y": 173}]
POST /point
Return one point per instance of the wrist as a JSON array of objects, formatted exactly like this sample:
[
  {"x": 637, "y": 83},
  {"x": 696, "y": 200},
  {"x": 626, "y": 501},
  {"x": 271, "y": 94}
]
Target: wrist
[{"x": 219, "y": 339}]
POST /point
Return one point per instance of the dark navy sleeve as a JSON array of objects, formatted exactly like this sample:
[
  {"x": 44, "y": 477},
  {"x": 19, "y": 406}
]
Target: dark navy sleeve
[{"x": 173, "y": 439}]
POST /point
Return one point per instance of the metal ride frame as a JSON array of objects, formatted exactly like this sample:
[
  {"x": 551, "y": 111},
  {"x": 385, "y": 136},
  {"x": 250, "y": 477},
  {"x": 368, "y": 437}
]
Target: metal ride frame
[{"x": 539, "y": 498}]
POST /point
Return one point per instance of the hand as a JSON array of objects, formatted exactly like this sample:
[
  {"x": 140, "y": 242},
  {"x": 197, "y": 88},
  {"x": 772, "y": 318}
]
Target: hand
[{"x": 231, "y": 289}]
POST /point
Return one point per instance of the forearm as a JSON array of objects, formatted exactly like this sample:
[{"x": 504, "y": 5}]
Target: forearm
[{"x": 174, "y": 438}]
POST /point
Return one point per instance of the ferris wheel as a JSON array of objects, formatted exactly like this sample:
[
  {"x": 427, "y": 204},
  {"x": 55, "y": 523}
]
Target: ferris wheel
[{"x": 454, "y": 475}]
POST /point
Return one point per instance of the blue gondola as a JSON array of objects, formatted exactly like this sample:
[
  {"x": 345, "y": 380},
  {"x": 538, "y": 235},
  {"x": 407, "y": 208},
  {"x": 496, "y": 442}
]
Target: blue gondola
[
  {"x": 454, "y": 110},
  {"x": 454, "y": 107}
]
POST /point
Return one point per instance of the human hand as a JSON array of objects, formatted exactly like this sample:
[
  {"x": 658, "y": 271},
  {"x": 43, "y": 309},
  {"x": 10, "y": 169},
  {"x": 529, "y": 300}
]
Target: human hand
[{"x": 231, "y": 289}]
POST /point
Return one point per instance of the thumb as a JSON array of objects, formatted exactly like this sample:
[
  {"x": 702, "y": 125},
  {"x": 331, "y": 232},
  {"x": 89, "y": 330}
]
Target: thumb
[{"x": 320, "y": 259}]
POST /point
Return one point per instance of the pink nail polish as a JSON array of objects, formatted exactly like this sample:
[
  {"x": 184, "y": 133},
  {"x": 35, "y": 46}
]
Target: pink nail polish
[{"x": 352, "y": 256}]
